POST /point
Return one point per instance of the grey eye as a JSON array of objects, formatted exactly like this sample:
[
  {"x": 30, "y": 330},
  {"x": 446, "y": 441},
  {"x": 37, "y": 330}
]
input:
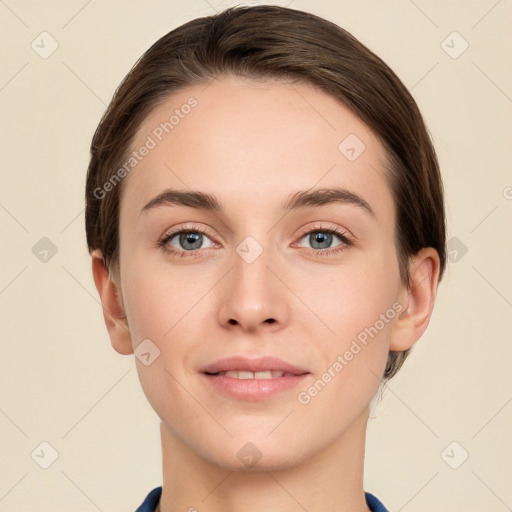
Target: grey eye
[
  {"x": 189, "y": 240},
  {"x": 320, "y": 239}
]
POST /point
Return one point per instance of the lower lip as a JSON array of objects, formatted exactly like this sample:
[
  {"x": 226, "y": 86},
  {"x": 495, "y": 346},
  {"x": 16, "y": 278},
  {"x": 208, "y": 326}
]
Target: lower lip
[{"x": 253, "y": 389}]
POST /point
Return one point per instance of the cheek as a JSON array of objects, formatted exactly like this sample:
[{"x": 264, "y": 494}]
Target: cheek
[
  {"x": 159, "y": 299},
  {"x": 358, "y": 303},
  {"x": 359, "y": 306},
  {"x": 163, "y": 307},
  {"x": 350, "y": 299}
]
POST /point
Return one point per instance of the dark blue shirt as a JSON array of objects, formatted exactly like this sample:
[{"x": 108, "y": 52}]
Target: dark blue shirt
[{"x": 153, "y": 497}]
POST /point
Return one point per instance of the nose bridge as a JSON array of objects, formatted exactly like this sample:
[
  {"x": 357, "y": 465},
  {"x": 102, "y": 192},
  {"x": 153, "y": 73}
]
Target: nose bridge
[
  {"x": 251, "y": 265},
  {"x": 252, "y": 294},
  {"x": 251, "y": 274}
]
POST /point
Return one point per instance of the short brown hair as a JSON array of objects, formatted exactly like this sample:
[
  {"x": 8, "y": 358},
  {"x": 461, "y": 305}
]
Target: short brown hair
[{"x": 272, "y": 42}]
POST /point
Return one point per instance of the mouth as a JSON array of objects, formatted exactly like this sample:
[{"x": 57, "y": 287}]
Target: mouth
[
  {"x": 252, "y": 379},
  {"x": 244, "y": 375},
  {"x": 241, "y": 367}
]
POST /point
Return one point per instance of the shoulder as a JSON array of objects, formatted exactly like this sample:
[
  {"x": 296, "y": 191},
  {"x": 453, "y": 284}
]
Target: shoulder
[
  {"x": 374, "y": 503},
  {"x": 151, "y": 501}
]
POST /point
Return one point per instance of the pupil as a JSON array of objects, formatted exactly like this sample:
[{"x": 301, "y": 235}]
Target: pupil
[
  {"x": 321, "y": 238},
  {"x": 193, "y": 238}
]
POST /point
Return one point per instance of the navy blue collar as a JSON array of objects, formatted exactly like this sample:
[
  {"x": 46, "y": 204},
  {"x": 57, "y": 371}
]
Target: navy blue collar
[{"x": 151, "y": 501}]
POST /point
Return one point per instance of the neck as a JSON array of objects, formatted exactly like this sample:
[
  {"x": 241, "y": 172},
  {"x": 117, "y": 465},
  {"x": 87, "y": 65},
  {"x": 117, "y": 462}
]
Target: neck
[{"x": 329, "y": 480}]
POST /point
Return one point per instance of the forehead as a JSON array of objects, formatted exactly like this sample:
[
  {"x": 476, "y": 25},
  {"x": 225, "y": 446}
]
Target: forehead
[{"x": 249, "y": 142}]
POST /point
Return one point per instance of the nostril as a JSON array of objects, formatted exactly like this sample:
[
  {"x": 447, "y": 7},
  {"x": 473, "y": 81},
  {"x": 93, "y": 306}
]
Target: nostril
[{"x": 270, "y": 320}]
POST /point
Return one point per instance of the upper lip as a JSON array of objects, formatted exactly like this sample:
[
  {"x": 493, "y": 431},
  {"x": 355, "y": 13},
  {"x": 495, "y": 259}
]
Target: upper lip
[{"x": 261, "y": 364}]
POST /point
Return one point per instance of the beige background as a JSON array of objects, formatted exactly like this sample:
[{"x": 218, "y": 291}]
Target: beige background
[{"x": 62, "y": 383}]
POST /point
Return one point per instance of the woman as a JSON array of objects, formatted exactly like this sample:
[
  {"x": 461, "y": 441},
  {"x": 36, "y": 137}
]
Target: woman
[{"x": 266, "y": 223}]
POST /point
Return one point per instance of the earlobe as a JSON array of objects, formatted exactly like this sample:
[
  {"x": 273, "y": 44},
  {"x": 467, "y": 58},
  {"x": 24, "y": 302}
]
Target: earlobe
[
  {"x": 417, "y": 300},
  {"x": 113, "y": 313}
]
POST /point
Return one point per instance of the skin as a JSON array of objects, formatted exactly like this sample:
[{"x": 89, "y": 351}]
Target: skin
[{"x": 252, "y": 144}]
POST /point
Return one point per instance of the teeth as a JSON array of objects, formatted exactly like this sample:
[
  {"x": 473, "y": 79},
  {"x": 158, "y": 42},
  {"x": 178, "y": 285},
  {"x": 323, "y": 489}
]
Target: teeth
[{"x": 242, "y": 374}]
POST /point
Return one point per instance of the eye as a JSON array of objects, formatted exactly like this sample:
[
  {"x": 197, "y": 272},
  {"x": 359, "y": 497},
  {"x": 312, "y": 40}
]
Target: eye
[
  {"x": 321, "y": 240},
  {"x": 185, "y": 241}
]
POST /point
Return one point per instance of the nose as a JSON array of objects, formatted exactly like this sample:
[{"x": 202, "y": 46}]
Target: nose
[{"x": 252, "y": 296}]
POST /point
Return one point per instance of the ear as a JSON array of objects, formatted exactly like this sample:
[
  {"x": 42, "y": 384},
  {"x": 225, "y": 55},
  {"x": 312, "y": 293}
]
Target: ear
[
  {"x": 417, "y": 300},
  {"x": 113, "y": 311}
]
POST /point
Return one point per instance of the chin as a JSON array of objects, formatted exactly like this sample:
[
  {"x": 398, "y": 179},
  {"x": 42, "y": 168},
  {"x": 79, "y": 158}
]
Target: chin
[
  {"x": 264, "y": 464},
  {"x": 255, "y": 457}
]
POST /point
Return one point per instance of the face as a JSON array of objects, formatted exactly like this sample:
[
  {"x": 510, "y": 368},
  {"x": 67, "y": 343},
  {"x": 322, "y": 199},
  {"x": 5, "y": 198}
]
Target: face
[{"x": 313, "y": 282}]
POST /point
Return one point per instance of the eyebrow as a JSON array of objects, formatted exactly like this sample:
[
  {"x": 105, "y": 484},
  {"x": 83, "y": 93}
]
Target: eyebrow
[{"x": 298, "y": 200}]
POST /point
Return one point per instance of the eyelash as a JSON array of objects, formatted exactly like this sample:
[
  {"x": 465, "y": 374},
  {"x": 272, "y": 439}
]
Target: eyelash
[{"x": 342, "y": 235}]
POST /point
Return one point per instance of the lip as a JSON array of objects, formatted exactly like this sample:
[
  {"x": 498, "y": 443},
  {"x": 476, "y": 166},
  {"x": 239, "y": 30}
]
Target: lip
[
  {"x": 260, "y": 364},
  {"x": 252, "y": 389}
]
